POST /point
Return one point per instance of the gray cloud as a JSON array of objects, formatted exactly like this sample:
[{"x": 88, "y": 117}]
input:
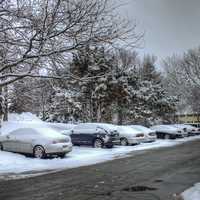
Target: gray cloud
[{"x": 171, "y": 26}]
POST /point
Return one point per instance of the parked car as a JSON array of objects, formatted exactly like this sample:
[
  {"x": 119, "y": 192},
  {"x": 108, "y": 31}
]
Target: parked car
[
  {"x": 196, "y": 127},
  {"x": 97, "y": 135},
  {"x": 130, "y": 136},
  {"x": 149, "y": 133},
  {"x": 168, "y": 132},
  {"x": 190, "y": 130},
  {"x": 39, "y": 142}
]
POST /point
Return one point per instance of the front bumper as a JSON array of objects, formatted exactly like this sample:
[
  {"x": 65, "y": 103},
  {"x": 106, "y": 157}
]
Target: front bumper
[
  {"x": 179, "y": 136},
  {"x": 137, "y": 140}
]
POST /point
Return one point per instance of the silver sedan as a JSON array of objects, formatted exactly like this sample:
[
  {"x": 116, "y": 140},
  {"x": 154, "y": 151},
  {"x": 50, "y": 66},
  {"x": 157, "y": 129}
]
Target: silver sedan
[{"x": 39, "y": 142}]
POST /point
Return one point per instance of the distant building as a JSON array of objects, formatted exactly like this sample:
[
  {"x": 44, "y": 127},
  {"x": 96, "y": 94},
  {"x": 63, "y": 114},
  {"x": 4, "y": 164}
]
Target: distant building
[{"x": 188, "y": 118}]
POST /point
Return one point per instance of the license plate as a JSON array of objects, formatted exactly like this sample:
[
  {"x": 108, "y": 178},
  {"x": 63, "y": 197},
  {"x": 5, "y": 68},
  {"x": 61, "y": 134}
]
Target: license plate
[{"x": 65, "y": 146}]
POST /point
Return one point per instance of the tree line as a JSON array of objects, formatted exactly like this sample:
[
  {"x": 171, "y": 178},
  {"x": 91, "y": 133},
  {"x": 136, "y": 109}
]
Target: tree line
[{"x": 71, "y": 60}]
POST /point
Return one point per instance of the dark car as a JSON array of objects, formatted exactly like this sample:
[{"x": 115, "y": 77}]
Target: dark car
[{"x": 97, "y": 135}]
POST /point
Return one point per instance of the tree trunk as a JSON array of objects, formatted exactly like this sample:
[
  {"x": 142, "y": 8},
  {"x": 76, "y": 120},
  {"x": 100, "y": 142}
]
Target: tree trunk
[
  {"x": 5, "y": 91},
  {"x": 1, "y": 107},
  {"x": 119, "y": 112}
]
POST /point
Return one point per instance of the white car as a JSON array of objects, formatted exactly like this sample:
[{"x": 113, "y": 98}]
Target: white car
[
  {"x": 190, "y": 130},
  {"x": 39, "y": 142},
  {"x": 149, "y": 133},
  {"x": 168, "y": 132},
  {"x": 130, "y": 136}
]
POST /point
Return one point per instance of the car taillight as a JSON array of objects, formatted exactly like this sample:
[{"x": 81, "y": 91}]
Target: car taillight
[{"x": 140, "y": 135}]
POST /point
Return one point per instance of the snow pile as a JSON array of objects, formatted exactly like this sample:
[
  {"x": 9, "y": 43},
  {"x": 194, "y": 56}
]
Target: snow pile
[
  {"x": 192, "y": 193},
  {"x": 26, "y": 116},
  {"x": 29, "y": 120}
]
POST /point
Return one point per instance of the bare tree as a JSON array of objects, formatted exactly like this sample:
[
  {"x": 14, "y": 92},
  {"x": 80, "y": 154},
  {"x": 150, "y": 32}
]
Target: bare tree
[
  {"x": 182, "y": 78},
  {"x": 42, "y": 34},
  {"x": 34, "y": 34}
]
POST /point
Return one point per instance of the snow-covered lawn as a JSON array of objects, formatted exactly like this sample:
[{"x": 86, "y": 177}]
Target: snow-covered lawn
[{"x": 192, "y": 193}]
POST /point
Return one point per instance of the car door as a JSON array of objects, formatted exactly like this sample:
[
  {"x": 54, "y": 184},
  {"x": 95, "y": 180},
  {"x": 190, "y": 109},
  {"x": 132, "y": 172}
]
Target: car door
[
  {"x": 75, "y": 135},
  {"x": 88, "y": 134},
  {"x": 24, "y": 141},
  {"x": 9, "y": 143},
  {"x": 83, "y": 134}
]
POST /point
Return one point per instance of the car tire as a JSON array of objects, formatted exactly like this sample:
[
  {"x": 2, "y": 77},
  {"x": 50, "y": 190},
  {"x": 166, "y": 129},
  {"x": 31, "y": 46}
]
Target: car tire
[
  {"x": 98, "y": 143},
  {"x": 1, "y": 147},
  {"x": 39, "y": 152},
  {"x": 123, "y": 142},
  {"x": 62, "y": 155}
]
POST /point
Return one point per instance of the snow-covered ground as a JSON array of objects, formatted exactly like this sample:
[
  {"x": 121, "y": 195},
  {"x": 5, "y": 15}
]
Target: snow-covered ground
[
  {"x": 80, "y": 156},
  {"x": 12, "y": 163},
  {"x": 192, "y": 193}
]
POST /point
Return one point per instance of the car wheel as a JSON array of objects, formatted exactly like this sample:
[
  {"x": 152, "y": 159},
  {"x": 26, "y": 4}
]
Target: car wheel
[
  {"x": 1, "y": 147},
  {"x": 167, "y": 136},
  {"x": 62, "y": 155},
  {"x": 39, "y": 152},
  {"x": 123, "y": 142},
  {"x": 98, "y": 143}
]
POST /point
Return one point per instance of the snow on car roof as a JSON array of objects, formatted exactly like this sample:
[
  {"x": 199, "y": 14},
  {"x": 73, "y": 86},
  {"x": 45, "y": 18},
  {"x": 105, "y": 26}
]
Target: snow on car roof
[
  {"x": 164, "y": 126},
  {"x": 47, "y": 132},
  {"x": 105, "y": 125},
  {"x": 127, "y": 129},
  {"x": 140, "y": 127}
]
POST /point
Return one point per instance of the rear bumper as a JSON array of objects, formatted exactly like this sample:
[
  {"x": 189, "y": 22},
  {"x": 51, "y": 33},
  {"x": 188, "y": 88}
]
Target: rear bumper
[
  {"x": 58, "y": 148},
  {"x": 151, "y": 139}
]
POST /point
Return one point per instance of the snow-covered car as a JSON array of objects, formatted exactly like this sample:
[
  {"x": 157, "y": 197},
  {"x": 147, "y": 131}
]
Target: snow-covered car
[
  {"x": 189, "y": 130},
  {"x": 39, "y": 142},
  {"x": 197, "y": 125},
  {"x": 97, "y": 135},
  {"x": 168, "y": 131},
  {"x": 195, "y": 129},
  {"x": 149, "y": 133},
  {"x": 129, "y": 136}
]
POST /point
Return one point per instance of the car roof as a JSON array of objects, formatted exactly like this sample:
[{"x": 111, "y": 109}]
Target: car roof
[{"x": 44, "y": 131}]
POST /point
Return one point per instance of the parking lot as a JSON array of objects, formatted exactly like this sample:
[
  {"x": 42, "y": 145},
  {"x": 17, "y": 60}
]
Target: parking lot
[
  {"x": 159, "y": 173},
  {"x": 13, "y": 165}
]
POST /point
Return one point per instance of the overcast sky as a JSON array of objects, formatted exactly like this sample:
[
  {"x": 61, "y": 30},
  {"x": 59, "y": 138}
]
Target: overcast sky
[{"x": 171, "y": 26}]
